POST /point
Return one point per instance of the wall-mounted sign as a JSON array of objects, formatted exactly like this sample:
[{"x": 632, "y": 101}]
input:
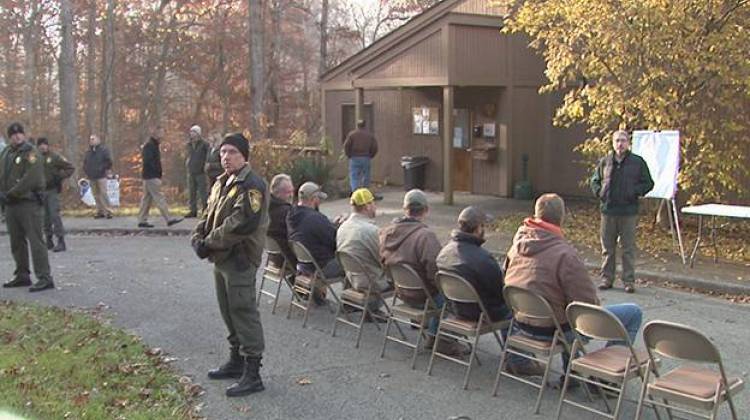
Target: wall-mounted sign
[
  {"x": 426, "y": 121},
  {"x": 488, "y": 130}
]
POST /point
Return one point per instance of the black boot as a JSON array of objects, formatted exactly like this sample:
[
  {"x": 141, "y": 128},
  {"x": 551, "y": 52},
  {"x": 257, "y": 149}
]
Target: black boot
[
  {"x": 60, "y": 247},
  {"x": 42, "y": 284},
  {"x": 50, "y": 243},
  {"x": 18, "y": 282},
  {"x": 250, "y": 381},
  {"x": 232, "y": 369}
]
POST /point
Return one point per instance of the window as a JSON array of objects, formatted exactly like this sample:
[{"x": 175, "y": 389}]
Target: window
[{"x": 426, "y": 121}]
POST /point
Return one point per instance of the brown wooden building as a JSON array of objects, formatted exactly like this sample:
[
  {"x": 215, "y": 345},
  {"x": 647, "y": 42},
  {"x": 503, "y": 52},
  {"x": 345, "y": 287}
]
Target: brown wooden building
[{"x": 448, "y": 85}]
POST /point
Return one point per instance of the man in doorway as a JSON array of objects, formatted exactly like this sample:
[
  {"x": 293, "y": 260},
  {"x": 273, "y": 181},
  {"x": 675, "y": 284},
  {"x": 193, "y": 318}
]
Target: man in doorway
[
  {"x": 21, "y": 190},
  {"x": 97, "y": 166},
  {"x": 619, "y": 180},
  {"x": 56, "y": 170},
  {"x": 360, "y": 147},
  {"x": 197, "y": 154},
  {"x": 152, "y": 173},
  {"x": 231, "y": 234}
]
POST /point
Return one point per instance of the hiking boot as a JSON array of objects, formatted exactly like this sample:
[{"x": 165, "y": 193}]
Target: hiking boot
[
  {"x": 376, "y": 316},
  {"x": 99, "y": 216},
  {"x": 145, "y": 225},
  {"x": 60, "y": 247},
  {"x": 250, "y": 381},
  {"x": 605, "y": 284},
  {"x": 50, "y": 242},
  {"x": 232, "y": 369},
  {"x": 18, "y": 282},
  {"x": 629, "y": 288},
  {"x": 174, "y": 222},
  {"x": 449, "y": 347},
  {"x": 527, "y": 368},
  {"x": 42, "y": 285}
]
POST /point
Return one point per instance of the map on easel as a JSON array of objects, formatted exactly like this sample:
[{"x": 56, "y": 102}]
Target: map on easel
[{"x": 661, "y": 151}]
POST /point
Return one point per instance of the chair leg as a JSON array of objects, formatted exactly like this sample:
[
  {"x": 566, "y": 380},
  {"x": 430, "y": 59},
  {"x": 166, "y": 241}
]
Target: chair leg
[
  {"x": 731, "y": 406},
  {"x": 547, "y": 370},
  {"x": 365, "y": 311},
  {"x": 437, "y": 341},
  {"x": 420, "y": 334},
  {"x": 276, "y": 297},
  {"x": 385, "y": 336},
  {"x": 472, "y": 356},
  {"x": 260, "y": 290},
  {"x": 308, "y": 306},
  {"x": 501, "y": 366},
  {"x": 642, "y": 394},
  {"x": 335, "y": 321},
  {"x": 623, "y": 389},
  {"x": 567, "y": 380}
]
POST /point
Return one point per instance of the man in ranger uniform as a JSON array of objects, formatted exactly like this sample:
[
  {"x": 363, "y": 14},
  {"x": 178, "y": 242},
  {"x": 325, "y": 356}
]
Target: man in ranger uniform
[
  {"x": 56, "y": 170},
  {"x": 21, "y": 188},
  {"x": 231, "y": 234},
  {"x": 197, "y": 153}
]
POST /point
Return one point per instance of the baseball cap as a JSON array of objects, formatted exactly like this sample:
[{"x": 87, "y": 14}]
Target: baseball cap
[
  {"x": 415, "y": 199},
  {"x": 361, "y": 197},
  {"x": 472, "y": 216},
  {"x": 310, "y": 190}
]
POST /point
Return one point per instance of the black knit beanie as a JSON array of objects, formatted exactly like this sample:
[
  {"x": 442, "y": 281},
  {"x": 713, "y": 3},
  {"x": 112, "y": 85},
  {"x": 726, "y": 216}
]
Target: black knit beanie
[
  {"x": 42, "y": 140},
  {"x": 239, "y": 141},
  {"x": 14, "y": 128}
]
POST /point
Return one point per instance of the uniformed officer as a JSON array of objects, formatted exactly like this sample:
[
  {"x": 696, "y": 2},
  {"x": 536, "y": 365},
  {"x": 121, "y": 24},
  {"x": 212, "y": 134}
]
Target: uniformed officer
[
  {"x": 231, "y": 234},
  {"x": 21, "y": 189},
  {"x": 56, "y": 170}
]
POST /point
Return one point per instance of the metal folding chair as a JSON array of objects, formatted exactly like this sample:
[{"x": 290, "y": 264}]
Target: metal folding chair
[
  {"x": 305, "y": 286},
  {"x": 274, "y": 273},
  {"x": 406, "y": 279},
  {"x": 457, "y": 289},
  {"x": 532, "y": 306},
  {"x": 358, "y": 299},
  {"x": 687, "y": 387},
  {"x": 609, "y": 368}
]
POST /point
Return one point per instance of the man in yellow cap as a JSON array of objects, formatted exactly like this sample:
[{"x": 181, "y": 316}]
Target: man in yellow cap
[{"x": 358, "y": 237}]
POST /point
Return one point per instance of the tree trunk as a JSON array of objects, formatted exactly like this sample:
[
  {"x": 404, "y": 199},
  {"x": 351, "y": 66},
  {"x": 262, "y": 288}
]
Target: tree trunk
[
  {"x": 90, "y": 114},
  {"x": 68, "y": 83},
  {"x": 30, "y": 58},
  {"x": 323, "y": 37},
  {"x": 277, "y": 13},
  {"x": 161, "y": 75},
  {"x": 108, "y": 121},
  {"x": 257, "y": 67}
]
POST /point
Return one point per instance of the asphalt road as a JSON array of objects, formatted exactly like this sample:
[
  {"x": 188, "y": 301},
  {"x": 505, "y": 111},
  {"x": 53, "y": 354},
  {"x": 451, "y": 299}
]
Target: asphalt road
[{"x": 155, "y": 288}]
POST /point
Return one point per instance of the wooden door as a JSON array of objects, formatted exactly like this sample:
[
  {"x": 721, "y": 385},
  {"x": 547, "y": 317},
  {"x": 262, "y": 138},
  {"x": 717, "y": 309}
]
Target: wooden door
[{"x": 461, "y": 151}]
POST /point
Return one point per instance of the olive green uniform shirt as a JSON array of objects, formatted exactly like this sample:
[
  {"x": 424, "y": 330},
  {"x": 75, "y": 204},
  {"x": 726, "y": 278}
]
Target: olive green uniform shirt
[{"x": 21, "y": 172}]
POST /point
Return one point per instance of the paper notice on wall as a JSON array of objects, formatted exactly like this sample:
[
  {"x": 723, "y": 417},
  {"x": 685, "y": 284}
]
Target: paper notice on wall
[
  {"x": 661, "y": 151},
  {"x": 458, "y": 137},
  {"x": 425, "y": 127}
]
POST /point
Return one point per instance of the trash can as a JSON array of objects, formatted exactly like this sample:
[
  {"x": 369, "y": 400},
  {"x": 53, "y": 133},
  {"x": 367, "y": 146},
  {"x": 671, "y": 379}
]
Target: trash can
[{"x": 414, "y": 171}]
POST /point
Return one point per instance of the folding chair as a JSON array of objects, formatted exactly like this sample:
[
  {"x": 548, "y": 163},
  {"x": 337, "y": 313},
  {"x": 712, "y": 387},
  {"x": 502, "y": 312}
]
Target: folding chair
[
  {"x": 609, "y": 368},
  {"x": 696, "y": 387},
  {"x": 406, "y": 279},
  {"x": 305, "y": 286},
  {"x": 457, "y": 289},
  {"x": 351, "y": 297},
  {"x": 531, "y": 306},
  {"x": 274, "y": 273}
]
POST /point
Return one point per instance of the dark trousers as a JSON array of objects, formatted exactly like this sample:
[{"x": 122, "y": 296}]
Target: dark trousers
[
  {"x": 24, "y": 221},
  {"x": 235, "y": 291},
  {"x": 197, "y": 192},
  {"x": 53, "y": 224},
  {"x": 612, "y": 229}
]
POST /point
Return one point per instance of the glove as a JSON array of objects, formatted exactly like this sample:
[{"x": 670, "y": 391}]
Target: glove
[{"x": 201, "y": 250}]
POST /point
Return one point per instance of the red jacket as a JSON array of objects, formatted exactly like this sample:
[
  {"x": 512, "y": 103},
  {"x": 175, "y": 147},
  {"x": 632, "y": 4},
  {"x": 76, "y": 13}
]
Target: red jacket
[{"x": 542, "y": 261}]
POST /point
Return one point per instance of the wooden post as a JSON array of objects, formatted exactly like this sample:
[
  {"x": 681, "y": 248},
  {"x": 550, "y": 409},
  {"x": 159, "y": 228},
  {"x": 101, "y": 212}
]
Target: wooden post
[
  {"x": 448, "y": 145},
  {"x": 359, "y": 105}
]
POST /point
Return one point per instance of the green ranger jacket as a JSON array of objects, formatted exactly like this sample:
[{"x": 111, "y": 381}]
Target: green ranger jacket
[
  {"x": 21, "y": 173},
  {"x": 235, "y": 222},
  {"x": 56, "y": 170}
]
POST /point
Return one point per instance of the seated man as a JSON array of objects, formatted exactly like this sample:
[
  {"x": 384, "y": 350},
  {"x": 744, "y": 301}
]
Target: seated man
[
  {"x": 282, "y": 194},
  {"x": 409, "y": 241},
  {"x": 464, "y": 255},
  {"x": 312, "y": 229},
  {"x": 358, "y": 237},
  {"x": 542, "y": 261}
]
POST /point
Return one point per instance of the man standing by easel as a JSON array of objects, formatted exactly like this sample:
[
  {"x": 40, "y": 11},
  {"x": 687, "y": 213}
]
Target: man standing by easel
[{"x": 619, "y": 180}]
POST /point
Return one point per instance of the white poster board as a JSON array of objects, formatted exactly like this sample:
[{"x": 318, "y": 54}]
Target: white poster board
[{"x": 661, "y": 151}]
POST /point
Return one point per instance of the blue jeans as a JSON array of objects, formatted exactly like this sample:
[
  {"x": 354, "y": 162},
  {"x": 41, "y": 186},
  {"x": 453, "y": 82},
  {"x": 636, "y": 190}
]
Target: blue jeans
[
  {"x": 629, "y": 314},
  {"x": 359, "y": 172},
  {"x": 432, "y": 324}
]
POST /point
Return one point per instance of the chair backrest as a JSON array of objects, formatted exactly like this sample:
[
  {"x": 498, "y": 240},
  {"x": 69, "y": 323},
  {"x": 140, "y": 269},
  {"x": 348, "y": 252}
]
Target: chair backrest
[
  {"x": 272, "y": 247},
  {"x": 596, "y": 322},
  {"x": 404, "y": 277},
  {"x": 529, "y": 304},
  {"x": 355, "y": 272},
  {"x": 303, "y": 255},
  {"x": 679, "y": 341},
  {"x": 456, "y": 288}
]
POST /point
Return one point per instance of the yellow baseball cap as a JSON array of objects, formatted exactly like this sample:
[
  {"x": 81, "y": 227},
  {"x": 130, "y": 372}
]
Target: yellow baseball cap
[{"x": 361, "y": 197}]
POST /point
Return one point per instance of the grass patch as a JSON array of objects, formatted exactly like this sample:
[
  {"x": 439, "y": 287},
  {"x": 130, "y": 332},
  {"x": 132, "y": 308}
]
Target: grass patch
[
  {"x": 581, "y": 226},
  {"x": 57, "y": 364}
]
